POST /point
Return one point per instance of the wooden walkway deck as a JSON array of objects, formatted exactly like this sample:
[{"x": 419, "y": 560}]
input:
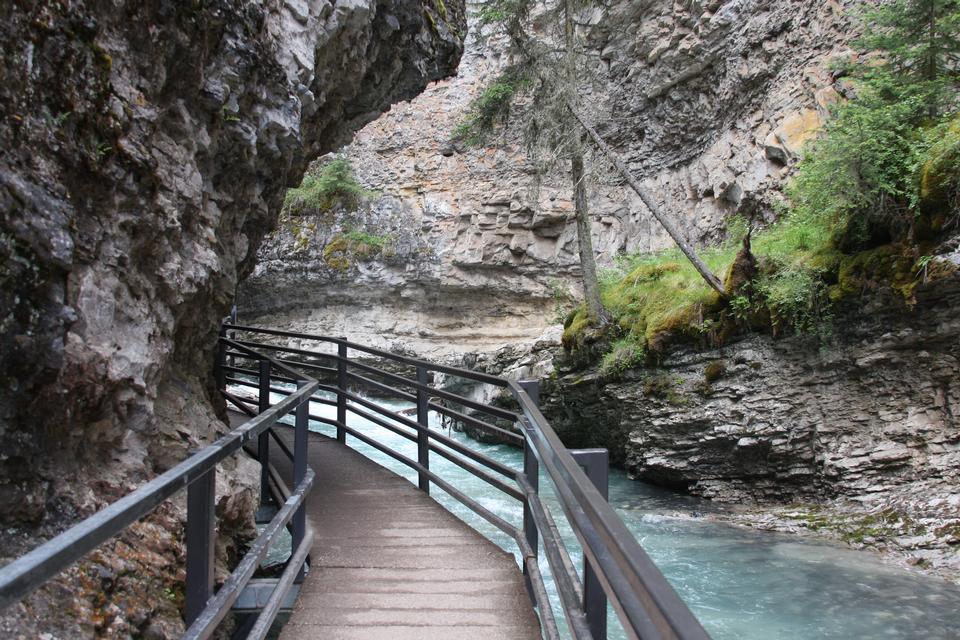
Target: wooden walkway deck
[{"x": 389, "y": 562}]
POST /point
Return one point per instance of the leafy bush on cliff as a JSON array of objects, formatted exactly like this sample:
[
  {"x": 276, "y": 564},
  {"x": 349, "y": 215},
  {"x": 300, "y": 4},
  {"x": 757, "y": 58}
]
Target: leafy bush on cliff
[
  {"x": 334, "y": 184},
  {"x": 859, "y": 175},
  {"x": 939, "y": 174}
]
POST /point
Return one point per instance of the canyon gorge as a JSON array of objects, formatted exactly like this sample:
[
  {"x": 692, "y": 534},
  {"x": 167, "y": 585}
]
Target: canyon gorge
[
  {"x": 149, "y": 172},
  {"x": 711, "y": 104}
]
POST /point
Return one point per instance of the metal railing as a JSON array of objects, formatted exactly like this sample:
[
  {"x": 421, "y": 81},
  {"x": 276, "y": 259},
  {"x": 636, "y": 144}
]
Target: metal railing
[
  {"x": 197, "y": 474},
  {"x": 616, "y": 568}
]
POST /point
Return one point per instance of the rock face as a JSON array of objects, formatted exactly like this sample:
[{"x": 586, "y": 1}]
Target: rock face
[
  {"x": 871, "y": 416},
  {"x": 147, "y": 147},
  {"x": 708, "y": 101},
  {"x": 459, "y": 273}
]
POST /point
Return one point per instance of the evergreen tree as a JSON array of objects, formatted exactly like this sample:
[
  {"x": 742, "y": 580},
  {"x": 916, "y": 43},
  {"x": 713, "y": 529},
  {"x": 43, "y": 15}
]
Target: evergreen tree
[
  {"x": 918, "y": 41},
  {"x": 861, "y": 174}
]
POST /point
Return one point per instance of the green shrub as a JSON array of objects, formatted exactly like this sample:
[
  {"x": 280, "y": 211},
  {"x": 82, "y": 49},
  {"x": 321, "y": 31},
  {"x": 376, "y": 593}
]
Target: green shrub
[
  {"x": 857, "y": 175},
  {"x": 332, "y": 186},
  {"x": 624, "y": 354},
  {"x": 938, "y": 171},
  {"x": 795, "y": 299}
]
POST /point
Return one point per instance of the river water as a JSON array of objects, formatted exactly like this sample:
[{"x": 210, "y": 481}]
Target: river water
[{"x": 742, "y": 584}]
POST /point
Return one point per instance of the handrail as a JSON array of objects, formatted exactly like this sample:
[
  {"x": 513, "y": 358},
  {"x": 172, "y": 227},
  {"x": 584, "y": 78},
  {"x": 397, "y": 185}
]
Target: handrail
[
  {"x": 22, "y": 576},
  {"x": 646, "y": 604},
  {"x": 467, "y": 402},
  {"x": 644, "y": 597},
  {"x": 416, "y": 362}
]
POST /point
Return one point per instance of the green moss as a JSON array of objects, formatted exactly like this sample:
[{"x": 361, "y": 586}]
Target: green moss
[
  {"x": 856, "y": 528},
  {"x": 575, "y": 328},
  {"x": 714, "y": 371},
  {"x": 888, "y": 266},
  {"x": 660, "y": 296},
  {"x": 863, "y": 270},
  {"x": 433, "y": 23},
  {"x": 344, "y": 249},
  {"x": 337, "y": 262},
  {"x": 940, "y": 169},
  {"x": 623, "y": 355},
  {"x": 666, "y": 388},
  {"x": 658, "y": 386}
]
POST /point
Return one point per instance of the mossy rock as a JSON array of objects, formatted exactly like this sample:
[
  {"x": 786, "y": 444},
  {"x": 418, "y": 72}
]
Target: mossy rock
[
  {"x": 665, "y": 387},
  {"x": 585, "y": 340},
  {"x": 940, "y": 173},
  {"x": 714, "y": 371},
  {"x": 345, "y": 249},
  {"x": 872, "y": 269}
]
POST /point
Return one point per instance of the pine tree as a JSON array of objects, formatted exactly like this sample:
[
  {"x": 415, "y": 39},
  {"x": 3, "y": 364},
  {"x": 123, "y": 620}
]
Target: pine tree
[
  {"x": 861, "y": 173},
  {"x": 918, "y": 41}
]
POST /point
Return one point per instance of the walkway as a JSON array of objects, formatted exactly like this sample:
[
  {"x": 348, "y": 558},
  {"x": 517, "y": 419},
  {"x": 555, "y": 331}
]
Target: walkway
[{"x": 389, "y": 562}]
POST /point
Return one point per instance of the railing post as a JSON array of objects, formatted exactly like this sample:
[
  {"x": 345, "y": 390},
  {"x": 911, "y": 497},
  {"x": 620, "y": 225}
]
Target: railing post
[
  {"x": 220, "y": 374},
  {"x": 341, "y": 399},
  {"x": 232, "y": 319},
  {"x": 531, "y": 469},
  {"x": 263, "y": 441},
  {"x": 299, "y": 528},
  {"x": 423, "y": 433},
  {"x": 201, "y": 538},
  {"x": 596, "y": 464}
]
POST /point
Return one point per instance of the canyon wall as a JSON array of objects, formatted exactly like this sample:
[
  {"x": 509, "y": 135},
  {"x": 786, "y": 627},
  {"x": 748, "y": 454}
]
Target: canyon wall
[
  {"x": 146, "y": 150},
  {"x": 708, "y": 101},
  {"x": 869, "y": 413}
]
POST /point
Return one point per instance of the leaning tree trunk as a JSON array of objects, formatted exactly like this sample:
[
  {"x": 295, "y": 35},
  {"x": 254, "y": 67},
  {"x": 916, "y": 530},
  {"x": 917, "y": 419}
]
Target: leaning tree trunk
[
  {"x": 621, "y": 167},
  {"x": 522, "y": 42}
]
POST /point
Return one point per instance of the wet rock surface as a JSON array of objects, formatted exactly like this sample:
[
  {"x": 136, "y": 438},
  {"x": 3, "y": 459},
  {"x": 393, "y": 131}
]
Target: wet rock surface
[{"x": 146, "y": 150}]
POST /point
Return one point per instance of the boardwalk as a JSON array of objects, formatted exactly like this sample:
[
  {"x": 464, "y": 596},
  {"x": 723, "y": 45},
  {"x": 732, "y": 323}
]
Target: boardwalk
[{"x": 389, "y": 562}]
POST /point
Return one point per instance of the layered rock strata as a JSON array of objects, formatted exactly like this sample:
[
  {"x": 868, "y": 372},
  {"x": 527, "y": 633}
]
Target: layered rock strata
[
  {"x": 709, "y": 102},
  {"x": 869, "y": 415}
]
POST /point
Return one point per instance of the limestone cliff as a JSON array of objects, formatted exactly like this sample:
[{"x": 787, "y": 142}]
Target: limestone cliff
[
  {"x": 708, "y": 101},
  {"x": 146, "y": 149}
]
